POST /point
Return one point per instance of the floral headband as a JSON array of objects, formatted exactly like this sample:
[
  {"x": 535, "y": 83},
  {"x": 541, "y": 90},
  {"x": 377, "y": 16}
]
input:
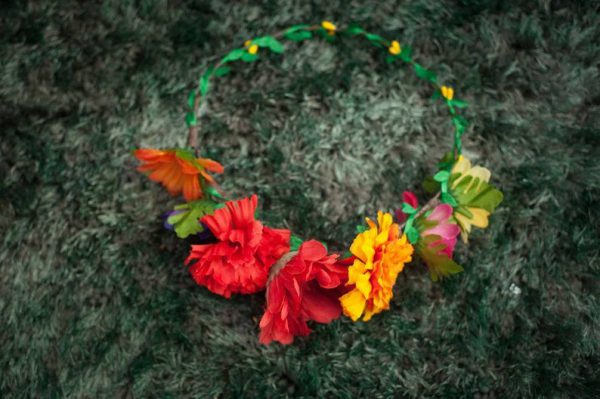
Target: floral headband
[{"x": 238, "y": 254}]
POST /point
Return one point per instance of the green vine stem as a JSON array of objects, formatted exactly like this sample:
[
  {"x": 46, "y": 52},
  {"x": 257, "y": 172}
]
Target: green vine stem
[{"x": 197, "y": 98}]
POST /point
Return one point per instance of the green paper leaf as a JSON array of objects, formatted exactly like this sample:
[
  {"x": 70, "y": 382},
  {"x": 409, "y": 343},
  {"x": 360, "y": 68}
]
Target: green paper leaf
[
  {"x": 234, "y": 55},
  {"x": 375, "y": 39},
  {"x": 192, "y": 99},
  {"x": 439, "y": 264},
  {"x": 354, "y": 30},
  {"x": 190, "y": 119},
  {"x": 408, "y": 209},
  {"x": 205, "y": 81},
  {"x": 222, "y": 71},
  {"x": 269, "y": 42},
  {"x": 476, "y": 193},
  {"x": 447, "y": 198},
  {"x": 298, "y": 36},
  {"x": 361, "y": 228},
  {"x": 425, "y": 73},
  {"x": 295, "y": 242},
  {"x": 431, "y": 186},
  {"x": 405, "y": 54},
  {"x": 413, "y": 235},
  {"x": 390, "y": 59},
  {"x": 247, "y": 57},
  {"x": 441, "y": 176},
  {"x": 459, "y": 103},
  {"x": 187, "y": 221},
  {"x": 213, "y": 192}
]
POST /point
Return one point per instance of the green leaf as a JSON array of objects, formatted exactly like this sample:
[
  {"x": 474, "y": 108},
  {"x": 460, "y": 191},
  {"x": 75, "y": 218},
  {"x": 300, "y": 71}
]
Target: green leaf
[
  {"x": 187, "y": 221},
  {"x": 441, "y": 176},
  {"x": 408, "y": 209},
  {"x": 295, "y": 242},
  {"x": 430, "y": 185},
  {"x": 447, "y": 198},
  {"x": 390, "y": 59},
  {"x": 375, "y": 39},
  {"x": 459, "y": 103},
  {"x": 354, "y": 30},
  {"x": 361, "y": 228},
  {"x": 247, "y": 57},
  {"x": 213, "y": 192},
  {"x": 405, "y": 54},
  {"x": 190, "y": 119},
  {"x": 413, "y": 235},
  {"x": 234, "y": 55},
  {"x": 297, "y": 28},
  {"x": 192, "y": 99},
  {"x": 298, "y": 36},
  {"x": 269, "y": 42},
  {"x": 222, "y": 71},
  {"x": 205, "y": 81},
  {"x": 430, "y": 249},
  {"x": 476, "y": 193},
  {"x": 424, "y": 73}
]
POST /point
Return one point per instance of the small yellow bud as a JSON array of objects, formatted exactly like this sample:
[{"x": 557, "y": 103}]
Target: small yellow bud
[
  {"x": 329, "y": 27},
  {"x": 253, "y": 49},
  {"x": 447, "y": 92},
  {"x": 395, "y": 48},
  {"x": 247, "y": 43}
]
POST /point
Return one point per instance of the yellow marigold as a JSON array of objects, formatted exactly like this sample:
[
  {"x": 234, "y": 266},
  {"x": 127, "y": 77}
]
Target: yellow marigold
[
  {"x": 380, "y": 255},
  {"x": 395, "y": 48},
  {"x": 329, "y": 27},
  {"x": 447, "y": 92}
]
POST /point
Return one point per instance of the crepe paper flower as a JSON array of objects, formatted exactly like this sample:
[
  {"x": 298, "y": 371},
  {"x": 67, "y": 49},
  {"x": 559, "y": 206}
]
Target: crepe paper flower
[
  {"x": 303, "y": 286},
  {"x": 245, "y": 250},
  {"x": 178, "y": 170},
  {"x": 252, "y": 48},
  {"x": 329, "y": 27},
  {"x": 380, "y": 255},
  {"x": 395, "y": 48},
  {"x": 475, "y": 197},
  {"x": 447, "y": 92}
]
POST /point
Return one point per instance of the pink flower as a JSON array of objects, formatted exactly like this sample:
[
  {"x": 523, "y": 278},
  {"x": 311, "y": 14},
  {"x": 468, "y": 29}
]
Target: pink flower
[{"x": 446, "y": 230}]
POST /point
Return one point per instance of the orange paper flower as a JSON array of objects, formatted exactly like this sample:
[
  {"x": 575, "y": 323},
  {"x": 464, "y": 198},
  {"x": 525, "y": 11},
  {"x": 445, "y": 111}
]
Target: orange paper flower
[
  {"x": 380, "y": 254},
  {"x": 178, "y": 170}
]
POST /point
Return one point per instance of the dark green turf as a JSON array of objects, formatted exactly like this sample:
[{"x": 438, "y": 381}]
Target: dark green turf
[{"x": 94, "y": 300}]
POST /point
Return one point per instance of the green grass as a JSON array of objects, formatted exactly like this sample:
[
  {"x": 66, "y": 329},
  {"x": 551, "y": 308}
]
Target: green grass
[{"x": 94, "y": 299}]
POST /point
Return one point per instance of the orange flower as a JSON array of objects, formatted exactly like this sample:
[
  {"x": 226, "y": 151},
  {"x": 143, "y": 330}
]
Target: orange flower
[
  {"x": 178, "y": 170},
  {"x": 380, "y": 254}
]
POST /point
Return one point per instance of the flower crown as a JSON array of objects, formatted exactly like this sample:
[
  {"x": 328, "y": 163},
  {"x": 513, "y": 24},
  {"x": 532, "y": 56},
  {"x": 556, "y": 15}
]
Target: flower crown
[{"x": 239, "y": 254}]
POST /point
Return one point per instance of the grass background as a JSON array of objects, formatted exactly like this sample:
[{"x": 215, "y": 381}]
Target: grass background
[{"x": 94, "y": 300}]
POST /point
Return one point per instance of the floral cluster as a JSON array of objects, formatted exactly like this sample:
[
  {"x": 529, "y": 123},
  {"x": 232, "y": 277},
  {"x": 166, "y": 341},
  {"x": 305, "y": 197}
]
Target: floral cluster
[{"x": 236, "y": 253}]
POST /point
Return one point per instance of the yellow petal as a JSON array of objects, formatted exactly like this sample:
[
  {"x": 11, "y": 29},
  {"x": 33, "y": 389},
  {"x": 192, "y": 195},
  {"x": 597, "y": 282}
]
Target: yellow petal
[
  {"x": 253, "y": 49},
  {"x": 480, "y": 217},
  {"x": 363, "y": 284},
  {"x": 395, "y": 48},
  {"x": 329, "y": 26},
  {"x": 354, "y": 271},
  {"x": 353, "y": 303}
]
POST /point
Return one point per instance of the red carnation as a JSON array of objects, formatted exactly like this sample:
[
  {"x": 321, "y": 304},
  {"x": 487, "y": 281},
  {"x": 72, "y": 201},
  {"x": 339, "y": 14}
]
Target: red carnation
[
  {"x": 306, "y": 287},
  {"x": 240, "y": 260}
]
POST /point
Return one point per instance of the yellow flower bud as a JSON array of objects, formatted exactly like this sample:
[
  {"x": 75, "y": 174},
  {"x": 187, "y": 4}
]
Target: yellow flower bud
[
  {"x": 329, "y": 27},
  {"x": 395, "y": 48},
  {"x": 253, "y": 49},
  {"x": 247, "y": 43},
  {"x": 447, "y": 92}
]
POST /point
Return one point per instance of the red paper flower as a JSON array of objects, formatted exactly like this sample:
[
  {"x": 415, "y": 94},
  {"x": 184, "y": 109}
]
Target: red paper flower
[
  {"x": 240, "y": 260},
  {"x": 306, "y": 287}
]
